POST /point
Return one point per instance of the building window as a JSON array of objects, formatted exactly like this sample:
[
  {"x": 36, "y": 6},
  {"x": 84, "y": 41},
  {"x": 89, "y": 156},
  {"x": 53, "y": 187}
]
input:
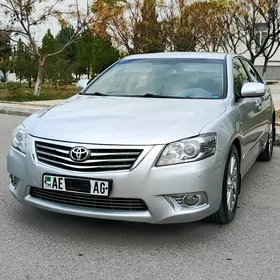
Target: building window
[{"x": 261, "y": 36}]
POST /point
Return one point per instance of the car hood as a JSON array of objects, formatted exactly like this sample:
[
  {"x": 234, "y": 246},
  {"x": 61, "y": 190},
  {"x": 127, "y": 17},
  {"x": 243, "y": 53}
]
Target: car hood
[{"x": 123, "y": 120}]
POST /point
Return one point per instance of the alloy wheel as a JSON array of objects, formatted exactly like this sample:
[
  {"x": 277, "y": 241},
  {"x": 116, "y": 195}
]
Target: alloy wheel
[
  {"x": 270, "y": 139},
  {"x": 232, "y": 183}
]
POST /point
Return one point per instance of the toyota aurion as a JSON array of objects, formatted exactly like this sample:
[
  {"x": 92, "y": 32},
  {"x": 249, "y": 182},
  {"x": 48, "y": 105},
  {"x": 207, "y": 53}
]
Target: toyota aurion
[{"x": 156, "y": 138}]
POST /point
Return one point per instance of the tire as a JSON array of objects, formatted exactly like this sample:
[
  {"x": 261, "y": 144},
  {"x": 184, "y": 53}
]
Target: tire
[
  {"x": 267, "y": 153},
  {"x": 226, "y": 212}
]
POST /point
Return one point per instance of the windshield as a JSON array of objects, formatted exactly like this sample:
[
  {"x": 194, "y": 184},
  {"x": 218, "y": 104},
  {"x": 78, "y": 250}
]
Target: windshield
[{"x": 166, "y": 78}]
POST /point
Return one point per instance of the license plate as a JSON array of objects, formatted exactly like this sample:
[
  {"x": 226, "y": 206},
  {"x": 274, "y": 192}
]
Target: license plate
[{"x": 69, "y": 184}]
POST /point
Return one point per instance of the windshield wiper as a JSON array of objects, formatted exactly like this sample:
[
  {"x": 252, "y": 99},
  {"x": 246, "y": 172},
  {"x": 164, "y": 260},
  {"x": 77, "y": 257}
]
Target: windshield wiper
[
  {"x": 96, "y": 94},
  {"x": 145, "y": 95},
  {"x": 152, "y": 95}
]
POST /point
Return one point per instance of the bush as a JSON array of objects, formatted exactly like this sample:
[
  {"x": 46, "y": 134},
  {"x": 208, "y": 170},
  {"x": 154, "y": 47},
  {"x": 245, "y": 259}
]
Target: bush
[
  {"x": 3, "y": 80},
  {"x": 14, "y": 89}
]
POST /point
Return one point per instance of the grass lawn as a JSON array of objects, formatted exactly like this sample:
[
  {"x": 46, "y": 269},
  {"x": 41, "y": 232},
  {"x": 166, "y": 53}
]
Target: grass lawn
[{"x": 48, "y": 92}]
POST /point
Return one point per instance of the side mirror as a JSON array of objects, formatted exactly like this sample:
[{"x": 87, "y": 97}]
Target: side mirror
[
  {"x": 82, "y": 84},
  {"x": 253, "y": 90}
]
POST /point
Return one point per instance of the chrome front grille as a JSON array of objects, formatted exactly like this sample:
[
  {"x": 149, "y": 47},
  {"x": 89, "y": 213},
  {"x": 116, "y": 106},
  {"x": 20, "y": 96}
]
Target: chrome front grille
[
  {"x": 86, "y": 200},
  {"x": 101, "y": 159}
]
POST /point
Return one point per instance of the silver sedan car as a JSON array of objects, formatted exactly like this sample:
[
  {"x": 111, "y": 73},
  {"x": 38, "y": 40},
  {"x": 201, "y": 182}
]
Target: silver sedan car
[{"x": 156, "y": 138}]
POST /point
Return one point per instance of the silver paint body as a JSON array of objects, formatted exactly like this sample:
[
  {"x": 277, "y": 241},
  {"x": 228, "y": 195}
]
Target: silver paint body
[{"x": 150, "y": 124}]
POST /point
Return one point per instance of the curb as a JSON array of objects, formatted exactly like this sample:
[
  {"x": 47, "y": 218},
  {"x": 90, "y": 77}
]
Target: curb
[
  {"x": 27, "y": 104},
  {"x": 20, "y": 110},
  {"x": 25, "y": 109},
  {"x": 15, "y": 113},
  {"x": 19, "y": 102}
]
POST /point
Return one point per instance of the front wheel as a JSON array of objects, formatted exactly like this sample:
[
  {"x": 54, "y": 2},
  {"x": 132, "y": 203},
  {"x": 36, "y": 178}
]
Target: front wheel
[{"x": 230, "y": 189}]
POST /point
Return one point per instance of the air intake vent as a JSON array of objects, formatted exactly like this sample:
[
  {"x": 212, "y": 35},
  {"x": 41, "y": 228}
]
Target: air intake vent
[{"x": 84, "y": 200}]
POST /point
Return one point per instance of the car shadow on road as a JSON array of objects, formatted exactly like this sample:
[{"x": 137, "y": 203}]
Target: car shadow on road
[{"x": 112, "y": 232}]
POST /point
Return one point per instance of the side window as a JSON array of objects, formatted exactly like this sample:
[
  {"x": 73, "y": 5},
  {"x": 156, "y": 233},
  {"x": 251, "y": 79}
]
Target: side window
[
  {"x": 254, "y": 76},
  {"x": 240, "y": 76}
]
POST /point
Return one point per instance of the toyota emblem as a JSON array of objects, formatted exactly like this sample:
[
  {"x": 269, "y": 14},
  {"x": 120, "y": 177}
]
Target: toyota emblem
[{"x": 79, "y": 154}]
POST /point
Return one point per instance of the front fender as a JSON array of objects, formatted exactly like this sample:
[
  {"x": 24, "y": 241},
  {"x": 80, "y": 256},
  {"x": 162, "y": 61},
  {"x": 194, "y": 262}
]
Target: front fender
[{"x": 228, "y": 128}]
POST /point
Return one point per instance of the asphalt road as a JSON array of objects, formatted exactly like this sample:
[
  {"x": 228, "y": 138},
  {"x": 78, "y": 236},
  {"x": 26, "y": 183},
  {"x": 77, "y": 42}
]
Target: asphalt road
[{"x": 39, "y": 245}]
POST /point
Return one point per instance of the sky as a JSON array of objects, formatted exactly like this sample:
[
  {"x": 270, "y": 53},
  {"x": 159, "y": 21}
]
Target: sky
[
  {"x": 52, "y": 24},
  {"x": 40, "y": 30}
]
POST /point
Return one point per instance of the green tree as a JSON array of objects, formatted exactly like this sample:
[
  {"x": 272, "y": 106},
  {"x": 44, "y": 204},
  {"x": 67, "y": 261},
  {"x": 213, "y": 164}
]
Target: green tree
[
  {"x": 5, "y": 66},
  {"x": 51, "y": 45},
  {"x": 24, "y": 18},
  {"x": 5, "y": 53},
  {"x": 65, "y": 71},
  {"x": 58, "y": 68},
  {"x": 21, "y": 59},
  {"x": 134, "y": 25},
  {"x": 103, "y": 54},
  {"x": 19, "y": 63},
  {"x": 5, "y": 46},
  {"x": 95, "y": 54},
  {"x": 179, "y": 21},
  {"x": 148, "y": 32},
  {"x": 84, "y": 54},
  {"x": 63, "y": 36}
]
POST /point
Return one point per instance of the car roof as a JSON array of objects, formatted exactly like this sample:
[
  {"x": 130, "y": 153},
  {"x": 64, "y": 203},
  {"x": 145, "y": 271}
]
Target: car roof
[{"x": 198, "y": 55}]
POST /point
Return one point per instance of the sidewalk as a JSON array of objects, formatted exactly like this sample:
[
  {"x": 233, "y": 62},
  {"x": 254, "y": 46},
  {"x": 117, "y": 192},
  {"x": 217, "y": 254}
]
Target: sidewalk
[{"x": 26, "y": 107}]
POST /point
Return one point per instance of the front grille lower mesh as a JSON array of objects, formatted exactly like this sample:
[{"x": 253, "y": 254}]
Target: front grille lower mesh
[
  {"x": 85, "y": 200},
  {"x": 101, "y": 159}
]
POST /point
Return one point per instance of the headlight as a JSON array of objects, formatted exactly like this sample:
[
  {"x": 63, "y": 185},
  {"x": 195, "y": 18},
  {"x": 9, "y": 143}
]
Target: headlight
[
  {"x": 189, "y": 150},
  {"x": 19, "y": 138}
]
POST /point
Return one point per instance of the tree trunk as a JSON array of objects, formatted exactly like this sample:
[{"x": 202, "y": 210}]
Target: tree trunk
[
  {"x": 29, "y": 82},
  {"x": 88, "y": 71},
  {"x": 40, "y": 77},
  {"x": 253, "y": 60},
  {"x": 264, "y": 68},
  {"x": 5, "y": 76},
  {"x": 55, "y": 84}
]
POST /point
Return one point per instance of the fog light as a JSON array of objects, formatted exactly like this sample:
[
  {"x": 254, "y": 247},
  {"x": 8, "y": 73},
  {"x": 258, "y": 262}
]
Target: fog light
[{"x": 190, "y": 200}]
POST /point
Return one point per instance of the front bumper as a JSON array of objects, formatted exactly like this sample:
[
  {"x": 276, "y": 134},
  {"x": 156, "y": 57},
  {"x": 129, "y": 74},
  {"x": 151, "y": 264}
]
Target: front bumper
[{"x": 153, "y": 185}]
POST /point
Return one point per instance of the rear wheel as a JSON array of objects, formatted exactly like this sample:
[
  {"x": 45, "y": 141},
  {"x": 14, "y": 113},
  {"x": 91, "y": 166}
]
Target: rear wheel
[
  {"x": 267, "y": 153},
  {"x": 230, "y": 190}
]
